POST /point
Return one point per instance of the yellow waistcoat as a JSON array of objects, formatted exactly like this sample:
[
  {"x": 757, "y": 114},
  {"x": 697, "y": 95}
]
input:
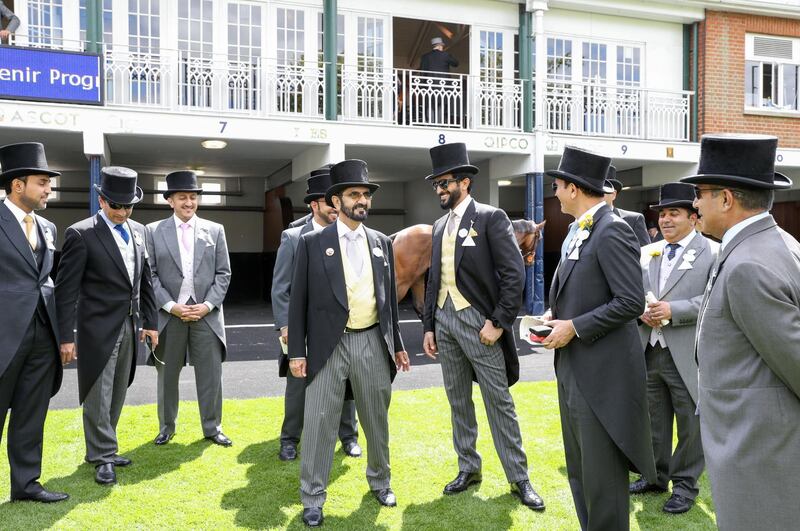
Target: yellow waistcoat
[
  {"x": 360, "y": 291},
  {"x": 447, "y": 283}
]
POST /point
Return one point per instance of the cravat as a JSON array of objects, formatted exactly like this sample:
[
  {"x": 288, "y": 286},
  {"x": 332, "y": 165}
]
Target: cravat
[
  {"x": 573, "y": 228},
  {"x": 353, "y": 252},
  {"x": 673, "y": 248},
  {"x": 122, "y": 232},
  {"x": 451, "y": 223},
  {"x": 185, "y": 235},
  {"x": 29, "y": 233}
]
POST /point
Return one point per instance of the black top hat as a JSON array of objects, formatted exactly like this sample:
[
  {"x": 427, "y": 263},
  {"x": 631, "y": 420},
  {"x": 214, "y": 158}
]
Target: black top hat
[
  {"x": 26, "y": 158},
  {"x": 611, "y": 177},
  {"x": 745, "y": 161},
  {"x": 675, "y": 195},
  {"x": 583, "y": 168},
  {"x": 118, "y": 185},
  {"x": 317, "y": 185},
  {"x": 347, "y": 174},
  {"x": 182, "y": 181},
  {"x": 450, "y": 158}
]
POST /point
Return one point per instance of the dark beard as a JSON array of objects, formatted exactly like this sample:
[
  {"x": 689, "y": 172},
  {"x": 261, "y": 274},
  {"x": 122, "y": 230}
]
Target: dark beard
[
  {"x": 454, "y": 198},
  {"x": 350, "y": 213}
]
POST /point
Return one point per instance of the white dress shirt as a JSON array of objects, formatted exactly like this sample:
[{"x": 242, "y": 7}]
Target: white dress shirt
[
  {"x": 667, "y": 266},
  {"x": 739, "y": 227},
  {"x": 457, "y": 213},
  {"x": 187, "y": 264},
  {"x": 20, "y": 215},
  {"x": 125, "y": 249},
  {"x": 343, "y": 230},
  {"x": 315, "y": 226}
]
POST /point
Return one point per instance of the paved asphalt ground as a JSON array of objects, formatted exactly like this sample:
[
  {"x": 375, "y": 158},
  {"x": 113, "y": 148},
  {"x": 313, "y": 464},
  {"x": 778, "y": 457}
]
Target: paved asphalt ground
[{"x": 251, "y": 369}]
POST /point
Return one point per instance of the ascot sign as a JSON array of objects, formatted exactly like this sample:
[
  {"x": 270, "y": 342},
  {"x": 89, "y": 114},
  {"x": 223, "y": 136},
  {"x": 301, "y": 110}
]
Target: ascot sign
[{"x": 50, "y": 75}]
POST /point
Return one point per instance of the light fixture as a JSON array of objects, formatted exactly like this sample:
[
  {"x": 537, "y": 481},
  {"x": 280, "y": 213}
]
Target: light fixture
[
  {"x": 198, "y": 172},
  {"x": 504, "y": 182},
  {"x": 214, "y": 144},
  {"x": 627, "y": 187}
]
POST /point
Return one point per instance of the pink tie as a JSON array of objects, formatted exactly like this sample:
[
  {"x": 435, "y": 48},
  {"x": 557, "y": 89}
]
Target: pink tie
[{"x": 187, "y": 243}]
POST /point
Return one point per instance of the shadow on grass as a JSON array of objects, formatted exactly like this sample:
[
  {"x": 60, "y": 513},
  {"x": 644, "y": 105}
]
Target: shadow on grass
[
  {"x": 652, "y": 517},
  {"x": 273, "y": 487},
  {"x": 462, "y": 511},
  {"x": 362, "y": 518},
  {"x": 149, "y": 462}
]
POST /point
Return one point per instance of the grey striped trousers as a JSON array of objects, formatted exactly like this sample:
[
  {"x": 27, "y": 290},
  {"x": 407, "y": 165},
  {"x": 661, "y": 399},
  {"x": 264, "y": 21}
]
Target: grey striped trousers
[
  {"x": 362, "y": 358},
  {"x": 461, "y": 353}
]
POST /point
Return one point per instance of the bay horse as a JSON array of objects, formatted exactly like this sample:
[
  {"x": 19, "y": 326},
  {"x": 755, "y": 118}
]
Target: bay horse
[{"x": 412, "y": 255}]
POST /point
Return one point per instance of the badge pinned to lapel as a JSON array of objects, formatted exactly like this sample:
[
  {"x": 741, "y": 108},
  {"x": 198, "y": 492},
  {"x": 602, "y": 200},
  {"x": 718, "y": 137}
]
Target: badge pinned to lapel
[
  {"x": 329, "y": 251},
  {"x": 377, "y": 251},
  {"x": 138, "y": 238},
  {"x": 48, "y": 238}
]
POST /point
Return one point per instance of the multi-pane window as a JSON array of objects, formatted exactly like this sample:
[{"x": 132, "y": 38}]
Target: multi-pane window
[
  {"x": 244, "y": 54},
  {"x": 195, "y": 26},
  {"x": 291, "y": 37},
  {"x": 629, "y": 66},
  {"x": 370, "y": 44},
  {"x": 339, "y": 37},
  {"x": 594, "y": 62},
  {"x": 107, "y": 22},
  {"x": 45, "y": 23},
  {"x": 491, "y": 56},
  {"x": 144, "y": 30},
  {"x": 772, "y": 73},
  {"x": 559, "y": 59},
  {"x": 210, "y": 196}
]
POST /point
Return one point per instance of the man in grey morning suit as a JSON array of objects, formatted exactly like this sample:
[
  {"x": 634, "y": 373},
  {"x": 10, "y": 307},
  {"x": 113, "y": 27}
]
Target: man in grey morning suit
[
  {"x": 472, "y": 298},
  {"x": 30, "y": 367},
  {"x": 13, "y": 21},
  {"x": 343, "y": 324},
  {"x": 747, "y": 338},
  {"x": 191, "y": 270},
  {"x": 595, "y": 298},
  {"x": 634, "y": 219},
  {"x": 295, "y": 398},
  {"x": 104, "y": 289},
  {"x": 675, "y": 271}
]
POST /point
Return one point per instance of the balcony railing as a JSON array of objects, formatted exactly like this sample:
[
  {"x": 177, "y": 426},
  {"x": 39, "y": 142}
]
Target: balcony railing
[{"x": 617, "y": 111}]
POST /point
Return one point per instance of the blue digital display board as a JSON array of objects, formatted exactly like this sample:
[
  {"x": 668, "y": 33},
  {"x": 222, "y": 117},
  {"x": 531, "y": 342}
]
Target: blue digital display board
[{"x": 50, "y": 75}]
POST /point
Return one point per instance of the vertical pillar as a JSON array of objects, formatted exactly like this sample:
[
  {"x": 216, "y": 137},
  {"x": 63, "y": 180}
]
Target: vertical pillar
[
  {"x": 525, "y": 68},
  {"x": 329, "y": 38},
  {"x": 94, "y": 30},
  {"x": 94, "y": 179}
]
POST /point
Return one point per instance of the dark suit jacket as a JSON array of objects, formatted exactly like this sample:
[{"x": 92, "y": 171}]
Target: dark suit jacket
[
  {"x": 437, "y": 61},
  {"x": 318, "y": 309},
  {"x": 636, "y": 222},
  {"x": 490, "y": 275},
  {"x": 93, "y": 291},
  {"x": 282, "y": 283},
  {"x": 603, "y": 294},
  {"x": 23, "y": 284}
]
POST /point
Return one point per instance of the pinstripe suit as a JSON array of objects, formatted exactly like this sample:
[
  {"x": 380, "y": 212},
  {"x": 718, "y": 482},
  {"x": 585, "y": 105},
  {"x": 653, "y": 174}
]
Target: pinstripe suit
[{"x": 319, "y": 310}]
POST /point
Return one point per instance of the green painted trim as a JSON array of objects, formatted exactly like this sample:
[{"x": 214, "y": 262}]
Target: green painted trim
[
  {"x": 696, "y": 70},
  {"x": 526, "y": 68},
  {"x": 329, "y": 56}
]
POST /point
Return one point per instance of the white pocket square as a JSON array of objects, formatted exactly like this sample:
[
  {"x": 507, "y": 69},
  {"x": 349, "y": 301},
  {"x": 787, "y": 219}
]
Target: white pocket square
[
  {"x": 684, "y": 266},
  {"x": 468, "y": 242}
]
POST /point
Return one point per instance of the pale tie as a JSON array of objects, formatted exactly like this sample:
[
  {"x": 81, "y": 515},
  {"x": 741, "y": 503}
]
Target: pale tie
[
  {"x": 353, "y": 252},
  {"x": 29, "y": 233},
  {"x": 186, "y": 236},
  {"x": 573, "y": 228},
  {"x": 451, "y": 223}
]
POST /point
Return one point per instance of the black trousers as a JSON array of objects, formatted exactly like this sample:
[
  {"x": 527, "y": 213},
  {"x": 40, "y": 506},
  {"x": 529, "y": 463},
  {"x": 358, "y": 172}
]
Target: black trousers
[
  {"x": 294, "y": 411},
  {"x": 25, "y": 389}
]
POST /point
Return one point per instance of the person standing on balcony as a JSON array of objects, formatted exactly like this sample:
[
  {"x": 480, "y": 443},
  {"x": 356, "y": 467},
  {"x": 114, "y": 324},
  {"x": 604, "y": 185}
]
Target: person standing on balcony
[
  {"x": 634, "y": 219},
  {"x": 295, "y": 397},
  {"x": 104, "y": 288},
  {"x": 13, "y": 22},
  {"x": 437, "y": 60},
  {"x": 30, "y": 367},
  {"x": 473, "y": 295},
  {"x": 191, "y": 270}
]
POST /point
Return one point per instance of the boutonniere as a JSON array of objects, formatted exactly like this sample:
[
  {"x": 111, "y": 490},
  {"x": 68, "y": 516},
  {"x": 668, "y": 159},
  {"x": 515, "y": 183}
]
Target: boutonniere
[
  {"x": 655, "y": 253},
  {"x": 378, "y": 252},
  {"x": 586, "y": 222},
  {"x": 138, "y": 238},
  {"x": 585, "y": 229}
]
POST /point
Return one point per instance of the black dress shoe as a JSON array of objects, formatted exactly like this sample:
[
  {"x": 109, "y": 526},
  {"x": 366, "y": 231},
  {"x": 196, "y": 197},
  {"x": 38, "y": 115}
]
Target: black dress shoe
[
  {"x": 121, "y": 461},
  {"x": 312, "y": 516},
  {"x": 385, "y": 497},
  {"x": 220, "y": 439},
  {"x": 524, "y": 491},
  {"x": 163, "y": 438},
  {"x": 352, "y": 449},
  {"x": 43, "y": 496},
  {"x": 640, "y": 486},
  {"x": 462, "y": 482},
  {"x": 677, "y": 504},
  {"x": 104, "y": 474},
  {"x": 288, "y": 452}
]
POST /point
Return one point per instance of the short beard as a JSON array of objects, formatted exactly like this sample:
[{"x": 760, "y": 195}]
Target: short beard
[
  {"x": 350, "y": 213},
  {"x": 454, "y": 198}
]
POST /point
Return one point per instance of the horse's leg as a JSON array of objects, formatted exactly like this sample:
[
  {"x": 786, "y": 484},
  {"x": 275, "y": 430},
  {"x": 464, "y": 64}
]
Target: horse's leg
[{"x": 418, "y": 295}]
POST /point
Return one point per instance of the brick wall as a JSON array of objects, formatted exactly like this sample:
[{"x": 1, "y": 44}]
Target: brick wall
[{"x": 721, "y": 74}]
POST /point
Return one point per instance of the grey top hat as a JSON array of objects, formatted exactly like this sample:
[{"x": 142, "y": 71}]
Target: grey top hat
[{"x": 118, "y": 185}]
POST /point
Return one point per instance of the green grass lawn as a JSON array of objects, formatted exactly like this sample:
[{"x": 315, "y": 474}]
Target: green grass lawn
[{"x": 192, "y": 484}]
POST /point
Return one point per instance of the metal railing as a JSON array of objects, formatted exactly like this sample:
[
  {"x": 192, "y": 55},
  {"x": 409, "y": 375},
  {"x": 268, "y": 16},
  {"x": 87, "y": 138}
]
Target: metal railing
[{"x": 617, "y": 111}]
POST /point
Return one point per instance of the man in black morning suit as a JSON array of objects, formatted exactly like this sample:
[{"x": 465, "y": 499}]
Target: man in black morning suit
[
  {"x": 634, "y": 219},
  {"x": 343, "y": 326},
  {"x": 104, "y": 288},
  {"x": 472, "y": 298},
  {"x": 30, "y": 368},
  {"x": 596, "y": 295}
]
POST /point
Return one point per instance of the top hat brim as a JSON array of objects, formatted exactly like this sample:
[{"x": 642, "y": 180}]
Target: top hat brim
[
  {"x": 781, "y": 182},
  {"x": 313, "y": 197},
  {"x": 338, "y": 187},
  {"x": 138, "y": 196},
  {"x": 7, "y": 176},
  {"x": 576, "y": 179},
  {"x": 677, "y": 203},
  {"x": 168, "y": 193},
  {"x": 464, "y": 168}
]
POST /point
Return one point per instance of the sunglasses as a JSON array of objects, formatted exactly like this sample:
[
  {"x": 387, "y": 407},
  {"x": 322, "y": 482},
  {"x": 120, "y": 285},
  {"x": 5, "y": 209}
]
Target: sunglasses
[
  {"x": 118, "y": 206},
  {"x": 554, "y": 186},
  {"x": 698, "y": 192},
  {"x": 442, "y": 183}
]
